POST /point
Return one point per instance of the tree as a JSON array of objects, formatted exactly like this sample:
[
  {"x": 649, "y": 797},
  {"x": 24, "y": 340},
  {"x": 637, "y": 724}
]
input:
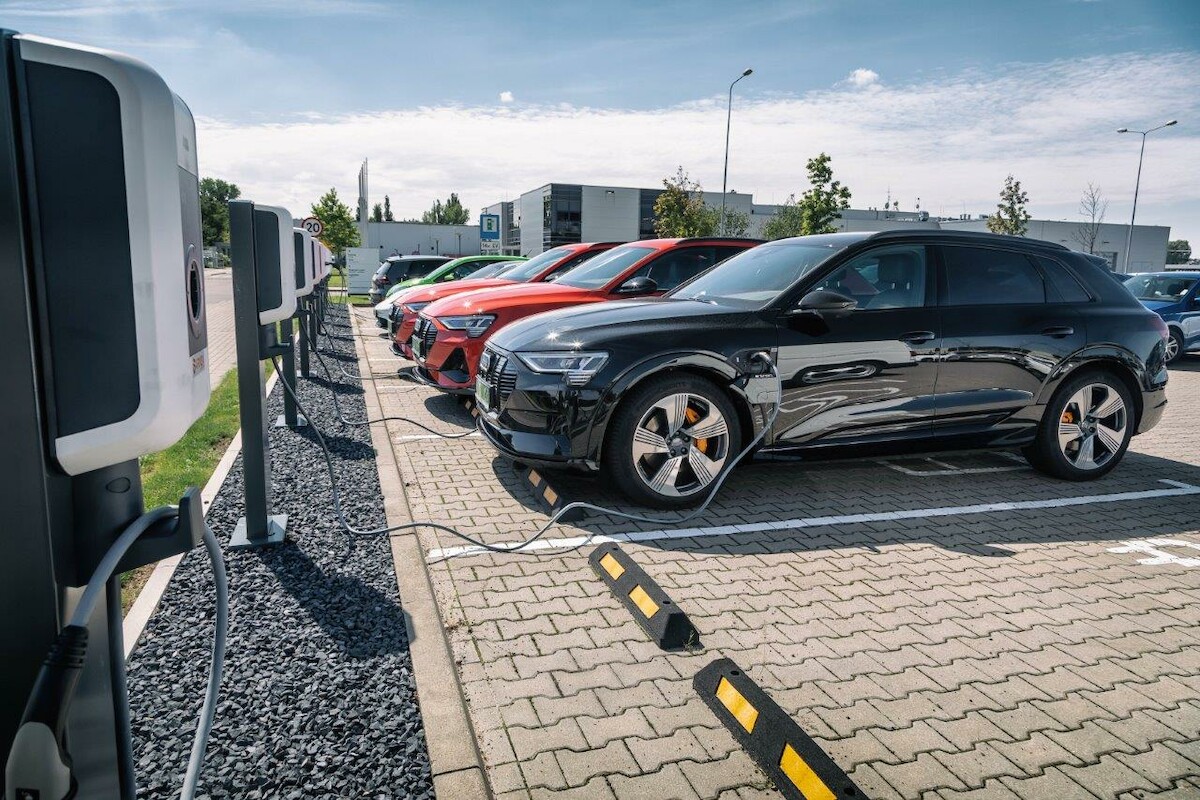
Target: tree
[
  {"x": 450, "y": 213},
  {"x": 1092, "y": 207},
  {"x": 1179, "y": 251},
  {"x": 215, "y": 195},
  {"x": 680, "y": 210},
  {"x": 737, "y": 223},
  {"x": 817, "y": 208},
  {"x": 340, "y": 230},
  {"x": 1011, "y": 217},
  {"x": 376, "y": 213},
  {"x": 387, "y": 209}
]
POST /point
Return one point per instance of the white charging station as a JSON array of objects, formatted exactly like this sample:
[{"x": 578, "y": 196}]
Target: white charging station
[
  {"x": 103, "y": 358},
  {"x": 275, "y": 254},
  {"x": 306, "y": 274},
  {"x": 138, "y": 333}
]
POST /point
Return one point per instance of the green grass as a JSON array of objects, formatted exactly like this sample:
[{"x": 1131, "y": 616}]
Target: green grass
[{"x": 361, "y": 300}]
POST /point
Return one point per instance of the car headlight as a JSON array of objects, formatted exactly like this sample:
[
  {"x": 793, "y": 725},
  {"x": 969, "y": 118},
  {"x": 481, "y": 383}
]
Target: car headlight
[
  {"x": 474, "y": 324},
  {"x": 413, "y": 308},
  {"x": 578, "y": 368}
]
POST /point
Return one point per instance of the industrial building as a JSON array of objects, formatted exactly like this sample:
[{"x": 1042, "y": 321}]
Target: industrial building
[
  {"x": 419, "y": 238},
  {"x": 558, "y": 213}
]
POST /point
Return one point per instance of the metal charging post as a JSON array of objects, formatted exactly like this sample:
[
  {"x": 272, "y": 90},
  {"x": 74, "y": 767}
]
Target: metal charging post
[
  {"x": 290, "y": 418},
  {"x": 302, "y": 324},
  {"x": 259, "y": 527}
]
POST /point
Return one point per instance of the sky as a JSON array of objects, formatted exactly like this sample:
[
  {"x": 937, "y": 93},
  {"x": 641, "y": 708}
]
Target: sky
[{"x": 928, "y": 101}]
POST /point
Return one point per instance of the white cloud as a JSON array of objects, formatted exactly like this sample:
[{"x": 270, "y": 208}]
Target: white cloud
[
  {"x": 862, "y": 78},
  {"x": 949, "y": 141},
  {"x": 506, "y": 97}
]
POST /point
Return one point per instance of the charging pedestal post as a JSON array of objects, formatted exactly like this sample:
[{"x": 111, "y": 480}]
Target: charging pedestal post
[
  {"x": 302, "y": 325},
  {"x": 290, "y": 418},
  {"x": 255, "y": 342}
]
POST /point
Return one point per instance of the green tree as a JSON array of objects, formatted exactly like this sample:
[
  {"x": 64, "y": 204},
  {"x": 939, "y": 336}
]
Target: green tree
[
  {"x": 1179, "y": 251},
  {"x": 376, "y": 213},
  {"x": 387, "y": 209},
  {"x": 816, "y": 209},
  {"x": 451, "y": 212},
  {"x": 1011, "y": 216},
  {"x": 680, "y": 210},
  {"x": 215, "y": 195},
  {"x": 340, "y": 230},
  {"x": 737, "y": 223}
]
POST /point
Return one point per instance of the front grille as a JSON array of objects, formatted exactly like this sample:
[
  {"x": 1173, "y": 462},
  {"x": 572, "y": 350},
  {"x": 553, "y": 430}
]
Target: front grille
[
  {"x": 428, "y": 333},
  {"x": 499, "y": 373}
]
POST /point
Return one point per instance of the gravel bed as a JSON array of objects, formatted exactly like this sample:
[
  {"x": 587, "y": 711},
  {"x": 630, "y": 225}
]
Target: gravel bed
[{"x": 318, "y": 697}]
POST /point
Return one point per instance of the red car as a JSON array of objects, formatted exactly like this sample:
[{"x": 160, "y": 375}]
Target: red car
[
  {"x": 450, "y": 333},
  {"x": 542, "y": 267}
]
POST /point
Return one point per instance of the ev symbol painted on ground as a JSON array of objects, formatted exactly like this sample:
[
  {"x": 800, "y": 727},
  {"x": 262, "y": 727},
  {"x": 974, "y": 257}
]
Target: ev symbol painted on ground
[{"x": 1157, "y": 556}]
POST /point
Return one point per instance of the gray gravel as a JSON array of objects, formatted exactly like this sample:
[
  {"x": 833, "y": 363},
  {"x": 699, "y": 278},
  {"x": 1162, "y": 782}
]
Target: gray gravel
[{"x": 318, "y": 697}]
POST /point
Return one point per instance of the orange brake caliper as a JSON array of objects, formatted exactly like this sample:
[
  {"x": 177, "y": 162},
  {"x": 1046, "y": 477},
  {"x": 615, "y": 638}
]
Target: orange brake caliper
[{"x": 693, "y": 416}]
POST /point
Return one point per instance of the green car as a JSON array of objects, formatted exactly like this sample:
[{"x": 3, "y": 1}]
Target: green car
[{"x": 459, "y": 268}]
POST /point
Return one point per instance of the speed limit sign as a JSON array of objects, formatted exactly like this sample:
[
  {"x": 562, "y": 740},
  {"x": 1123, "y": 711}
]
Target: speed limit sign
[{"x": 314, "y": 226}]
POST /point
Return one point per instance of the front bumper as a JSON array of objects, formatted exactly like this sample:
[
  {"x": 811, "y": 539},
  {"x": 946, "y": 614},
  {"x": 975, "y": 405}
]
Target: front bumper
[
  {"x": 535, "y": 417},
  {"x": 451, "y": 361}
]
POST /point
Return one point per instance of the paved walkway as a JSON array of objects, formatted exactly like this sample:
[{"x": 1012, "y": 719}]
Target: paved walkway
[
  {"x": 222, "y": 348},
  {"x": 965, "y": 648}
]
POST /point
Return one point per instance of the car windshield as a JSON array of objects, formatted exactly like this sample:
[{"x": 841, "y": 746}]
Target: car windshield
[
  {"x": 488, "y": 270},
  {"x": 755, "y": 277},
  {"x": 1160, "y": 287},
  {"x": 536, "y": 265},
  {"x": 602, "y": 269}
]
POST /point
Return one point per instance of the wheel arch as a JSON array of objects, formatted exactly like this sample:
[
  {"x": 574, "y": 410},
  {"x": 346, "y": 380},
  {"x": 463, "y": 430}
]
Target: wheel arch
[
  {"x": 1120, "y": 362},
  {"x": 708, "y": 366}
]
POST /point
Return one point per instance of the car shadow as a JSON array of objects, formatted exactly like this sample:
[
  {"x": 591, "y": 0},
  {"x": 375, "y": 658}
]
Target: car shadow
[
  {"x": 1188, "y": 362},
  {"x": 447, "y": 408},
  {"x": 792, "y": 507}
]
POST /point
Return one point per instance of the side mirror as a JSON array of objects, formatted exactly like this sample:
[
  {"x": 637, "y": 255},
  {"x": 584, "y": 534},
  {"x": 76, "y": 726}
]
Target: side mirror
[
  {"x": 638, "y": 285},
  {"x": 825, "y": 303}
]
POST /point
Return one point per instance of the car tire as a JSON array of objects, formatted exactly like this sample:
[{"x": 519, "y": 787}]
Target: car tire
[
  {"x": 1175, "y": 346},
  {"x": 1085, "y": 429},
  {"x": 650, "y": 453}
]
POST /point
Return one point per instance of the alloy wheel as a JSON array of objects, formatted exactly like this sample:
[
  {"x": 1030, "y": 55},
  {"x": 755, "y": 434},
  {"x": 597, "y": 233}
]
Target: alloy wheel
[
  {"x": 1091, "y": 427},
  {"x": 680, "y": 444},
  {"x": 1172, "y": 351}
]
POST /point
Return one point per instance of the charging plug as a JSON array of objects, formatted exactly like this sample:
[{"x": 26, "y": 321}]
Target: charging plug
[{"x": 39, "y": 767}]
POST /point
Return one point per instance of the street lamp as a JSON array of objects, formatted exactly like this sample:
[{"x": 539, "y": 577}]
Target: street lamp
[
  {"x": 1138, "y": 183},
  {"x": 728, "y": 119}
]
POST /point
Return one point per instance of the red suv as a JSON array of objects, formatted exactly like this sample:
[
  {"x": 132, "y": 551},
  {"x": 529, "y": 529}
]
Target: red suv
[
  {"x": 545, "y": 266},
  {"x": 450, "y": 334}
]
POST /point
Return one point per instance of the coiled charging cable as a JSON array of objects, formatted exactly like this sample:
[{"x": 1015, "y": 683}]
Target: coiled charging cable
[
  {"x": 761, "y": 357},
  {"x": 39, "y": 761}
]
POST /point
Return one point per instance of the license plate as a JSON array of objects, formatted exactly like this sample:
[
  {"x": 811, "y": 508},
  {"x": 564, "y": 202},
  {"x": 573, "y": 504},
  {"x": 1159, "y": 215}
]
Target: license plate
[
  {"x": 418, "y": 347},
  {"x": 483, "y": 394}
]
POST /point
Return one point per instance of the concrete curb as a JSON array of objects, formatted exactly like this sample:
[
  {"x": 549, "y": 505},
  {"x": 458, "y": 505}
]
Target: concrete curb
[
  {"x": 458, "y": 770},
  {"x": 147, "y": 600}
]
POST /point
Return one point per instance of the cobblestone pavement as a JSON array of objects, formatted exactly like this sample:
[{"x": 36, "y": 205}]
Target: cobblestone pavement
[
  {"x": 1016, "y": 653},
  {"x": 218, "y": 306}
]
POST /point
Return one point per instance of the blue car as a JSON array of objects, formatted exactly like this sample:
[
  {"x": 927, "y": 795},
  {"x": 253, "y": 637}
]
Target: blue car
[{"x": 1174, "y": 296}]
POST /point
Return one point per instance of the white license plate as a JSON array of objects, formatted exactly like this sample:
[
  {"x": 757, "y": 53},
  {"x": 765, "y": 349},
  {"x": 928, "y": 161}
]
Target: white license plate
[
  {"x": 418, "y": 346},
  {"x": 483, "y": 394}
]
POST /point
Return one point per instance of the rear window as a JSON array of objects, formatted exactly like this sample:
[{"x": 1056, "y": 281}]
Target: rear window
[
  {"x": 1065, "y": 284},
  {"x": 979, "y": 276}
]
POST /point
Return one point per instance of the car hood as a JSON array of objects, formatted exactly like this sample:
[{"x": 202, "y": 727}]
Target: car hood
[
  {"x": 528, "y": 296},
  {"x": 601, "y": 322},
  {"x": 431, "y": 294},
  {"x": 1159, "y": 305}
]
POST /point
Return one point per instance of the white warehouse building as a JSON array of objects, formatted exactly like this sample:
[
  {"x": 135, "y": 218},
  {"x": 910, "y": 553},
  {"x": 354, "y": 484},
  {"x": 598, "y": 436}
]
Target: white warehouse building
[{"x": 561, "y": 213}]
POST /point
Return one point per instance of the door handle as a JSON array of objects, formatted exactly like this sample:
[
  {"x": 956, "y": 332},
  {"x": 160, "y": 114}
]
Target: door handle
[
  {"x": 1058, "y": 331},
  {"x": 918, "y": 337}
]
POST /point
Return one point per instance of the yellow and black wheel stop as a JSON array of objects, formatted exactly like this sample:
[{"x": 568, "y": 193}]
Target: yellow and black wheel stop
[
  {"x": 650, "y": 606},
  {"x": 546, "y": 496},
  {"x": 798, "y": 766}
]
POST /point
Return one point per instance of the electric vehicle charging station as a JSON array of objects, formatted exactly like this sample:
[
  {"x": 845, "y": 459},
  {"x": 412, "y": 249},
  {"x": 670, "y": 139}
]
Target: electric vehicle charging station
[
  {"x": 306, "y": 283},
  {"x": 98, "y": 178},
  {"x": 301, "y": 254},
  {"x": 263, "y": 254}
]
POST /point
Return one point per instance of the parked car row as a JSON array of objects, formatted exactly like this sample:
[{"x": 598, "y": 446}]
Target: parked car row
[{"x": 656, "y": 362}]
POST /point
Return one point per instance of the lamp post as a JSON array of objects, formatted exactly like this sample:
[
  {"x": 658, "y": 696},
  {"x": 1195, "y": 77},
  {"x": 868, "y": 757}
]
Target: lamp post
[
  {"x": 728, "y": 120},
  {"x": 1138, "y": 183}
]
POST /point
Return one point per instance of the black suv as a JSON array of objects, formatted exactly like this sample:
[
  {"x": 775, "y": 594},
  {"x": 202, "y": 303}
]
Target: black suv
[
  {"x": 899, "y": 340},
  {"x": 397, "y": 269}
]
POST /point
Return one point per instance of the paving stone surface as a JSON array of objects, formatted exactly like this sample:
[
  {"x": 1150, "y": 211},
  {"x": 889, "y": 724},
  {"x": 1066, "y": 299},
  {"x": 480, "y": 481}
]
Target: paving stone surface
[
  {"x": 218, "y": 306},
  {"x": 1018, "y": 652}
]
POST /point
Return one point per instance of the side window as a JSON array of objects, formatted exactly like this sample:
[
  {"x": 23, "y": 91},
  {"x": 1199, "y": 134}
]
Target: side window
[
  {"x": 726, "y": 252},
  {"x": 677, "y": 266},
  {"x": 463, "y": 270},
  {"x": 569, "y": 264},
  {"x": 1066, "y": 285},
  {"x": 890, "y": 277},
  {"x": 978, "y": 276}
]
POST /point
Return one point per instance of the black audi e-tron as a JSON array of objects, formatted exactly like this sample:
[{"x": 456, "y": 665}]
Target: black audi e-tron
[{"x": 904, "y": 340}]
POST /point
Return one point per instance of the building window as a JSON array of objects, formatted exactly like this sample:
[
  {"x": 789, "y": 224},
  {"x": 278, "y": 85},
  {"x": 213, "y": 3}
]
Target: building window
[
  {"x": 646, "y": 202},
  {"x": 562, "y": 215}
]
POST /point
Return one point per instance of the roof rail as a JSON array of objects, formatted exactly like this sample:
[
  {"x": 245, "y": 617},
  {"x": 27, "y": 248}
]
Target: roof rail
[{"x": 968, "y": 235}]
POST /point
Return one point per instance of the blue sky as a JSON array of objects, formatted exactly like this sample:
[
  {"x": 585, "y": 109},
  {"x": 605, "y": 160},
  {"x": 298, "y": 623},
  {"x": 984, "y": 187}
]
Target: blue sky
[{"x": 932, "y": 100}]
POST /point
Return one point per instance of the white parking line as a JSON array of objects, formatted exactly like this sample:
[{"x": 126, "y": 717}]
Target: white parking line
[
  {"x": 1179, "y": 490},
  {"x": 945, "y": 468}
]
